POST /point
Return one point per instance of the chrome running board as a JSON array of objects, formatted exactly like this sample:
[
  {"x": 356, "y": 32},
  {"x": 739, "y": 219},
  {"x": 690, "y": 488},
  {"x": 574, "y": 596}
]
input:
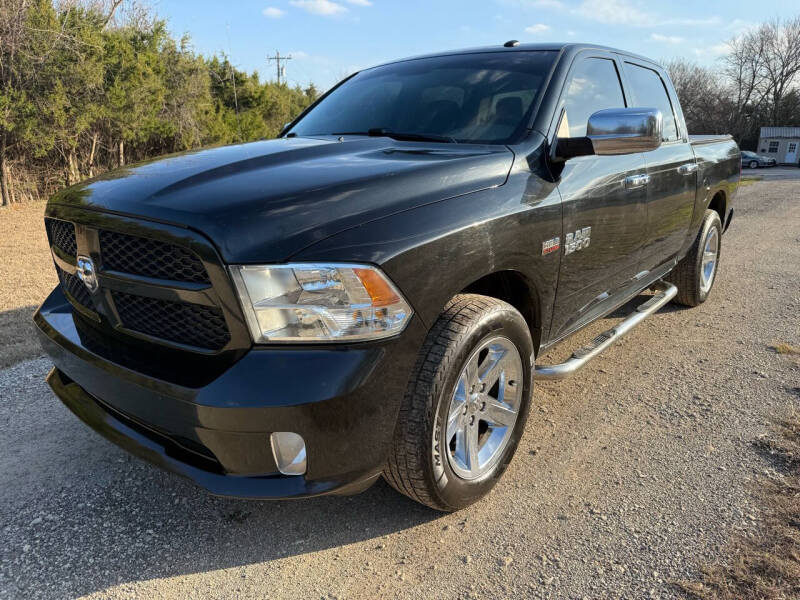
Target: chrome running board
[{"x": 664, "y": 293}]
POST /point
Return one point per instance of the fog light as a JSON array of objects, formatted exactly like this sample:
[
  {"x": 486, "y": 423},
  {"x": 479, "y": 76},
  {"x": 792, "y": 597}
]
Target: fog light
[{"x": 289, "y": 451}]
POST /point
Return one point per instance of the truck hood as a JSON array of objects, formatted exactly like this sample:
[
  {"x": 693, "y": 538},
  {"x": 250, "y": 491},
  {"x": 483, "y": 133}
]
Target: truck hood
[{"x": 265, "y": 201}]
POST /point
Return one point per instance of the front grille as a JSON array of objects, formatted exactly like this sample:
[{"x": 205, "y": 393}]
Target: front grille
[
  {"x": 183, "y": 319},
  {"x": 74, "y": 286},
  {"x": 61, "y": 235},
  {"x": 191, "y": 324},
  {"x": 150, "y": 258}
]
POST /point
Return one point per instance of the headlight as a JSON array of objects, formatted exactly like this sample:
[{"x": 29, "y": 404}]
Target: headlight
[{"x": 319, "y": 302}]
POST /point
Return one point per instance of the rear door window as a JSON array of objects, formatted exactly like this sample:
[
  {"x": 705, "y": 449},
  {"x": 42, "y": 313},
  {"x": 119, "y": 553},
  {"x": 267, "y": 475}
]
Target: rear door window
[{"x": 650, "y": 92}]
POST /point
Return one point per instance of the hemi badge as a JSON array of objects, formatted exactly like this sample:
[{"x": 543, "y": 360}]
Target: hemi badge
[{"x": 551, "y": 245}]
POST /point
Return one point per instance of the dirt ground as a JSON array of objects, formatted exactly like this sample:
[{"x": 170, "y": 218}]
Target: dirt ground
[
  {"x": 630, "y": 476},
  {"x": 27, "y": 275}
]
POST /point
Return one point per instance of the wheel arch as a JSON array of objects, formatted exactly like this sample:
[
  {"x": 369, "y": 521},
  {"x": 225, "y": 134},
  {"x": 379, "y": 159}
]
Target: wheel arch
[
  {"x": 518, "y": 290},
  {"x": 719, "y": 203}
]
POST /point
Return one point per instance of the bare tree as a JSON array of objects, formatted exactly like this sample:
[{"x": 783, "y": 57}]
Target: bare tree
[
  {"x": 701, "y": 93},
  {"x": 781, "y": 64},
  {"x": 743, "y": 68}
]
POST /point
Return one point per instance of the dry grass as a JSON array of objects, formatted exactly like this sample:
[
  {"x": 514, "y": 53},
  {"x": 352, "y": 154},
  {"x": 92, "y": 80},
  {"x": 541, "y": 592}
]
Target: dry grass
[
  {"x": 767, "y": 565},
  {"x": 750, "y": 180},
  {"x": 26, "y": 277},
  {"x": 784, "y": 348}
]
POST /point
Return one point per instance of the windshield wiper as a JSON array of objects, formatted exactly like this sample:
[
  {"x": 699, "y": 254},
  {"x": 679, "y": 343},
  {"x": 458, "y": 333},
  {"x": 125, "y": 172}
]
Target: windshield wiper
[{"x": 396, "y": 135}]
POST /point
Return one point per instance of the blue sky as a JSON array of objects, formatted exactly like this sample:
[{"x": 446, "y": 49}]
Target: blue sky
[{"x": 329, "y": 39}]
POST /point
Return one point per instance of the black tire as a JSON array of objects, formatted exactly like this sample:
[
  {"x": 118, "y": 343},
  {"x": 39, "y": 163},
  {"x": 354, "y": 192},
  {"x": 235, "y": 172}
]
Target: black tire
[
  {"x": 416, "y": 466},
  {"x": 687, "y": 274},
  {"x": 753, "y": 164}
]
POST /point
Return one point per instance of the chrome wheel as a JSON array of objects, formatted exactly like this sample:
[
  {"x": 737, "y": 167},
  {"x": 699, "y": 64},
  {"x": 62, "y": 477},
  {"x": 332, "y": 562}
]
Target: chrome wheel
[
  {"x": 708, "y": 267},
  {"x": 484, "y": 408}
]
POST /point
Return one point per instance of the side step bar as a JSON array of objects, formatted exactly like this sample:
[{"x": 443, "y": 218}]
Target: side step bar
[{"x": 664, "y": 293}]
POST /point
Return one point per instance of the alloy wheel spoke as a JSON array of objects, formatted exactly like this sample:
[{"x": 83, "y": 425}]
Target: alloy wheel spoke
[
  {"x": 491, "y": 368},
  {"x": 471, "y": 371},
  {"x": 499, "y": 414},
  {"x": 461, "y": 444},
  {"x": 472, "y": 446},
  {"x": 453, "y": 422},
  {"x": 456, "y": 410}
]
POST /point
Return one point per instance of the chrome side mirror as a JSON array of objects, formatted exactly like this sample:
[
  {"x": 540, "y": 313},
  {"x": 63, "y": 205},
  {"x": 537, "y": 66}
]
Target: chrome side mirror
[{"x": 625, "y": 130}]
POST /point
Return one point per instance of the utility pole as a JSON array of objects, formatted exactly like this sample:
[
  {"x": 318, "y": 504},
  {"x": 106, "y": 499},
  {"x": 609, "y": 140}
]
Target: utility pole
[{"x": 280, "y": 69}]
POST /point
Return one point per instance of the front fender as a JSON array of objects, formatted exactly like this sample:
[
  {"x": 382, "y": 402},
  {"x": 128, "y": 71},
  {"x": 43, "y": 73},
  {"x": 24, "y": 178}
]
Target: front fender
[{"x": 435, "y": 251}]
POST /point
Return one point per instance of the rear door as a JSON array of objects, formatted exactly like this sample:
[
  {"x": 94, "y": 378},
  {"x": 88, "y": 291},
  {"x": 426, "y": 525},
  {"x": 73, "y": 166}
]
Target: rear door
[
  {"x": 671, "y": 168},
  {"x": 603, "y": 202}
]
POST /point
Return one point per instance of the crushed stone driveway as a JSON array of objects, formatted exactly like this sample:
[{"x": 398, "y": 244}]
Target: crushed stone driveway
[
  {"x": 779, "y": 173},
  {"x": 630, "y": 475}
]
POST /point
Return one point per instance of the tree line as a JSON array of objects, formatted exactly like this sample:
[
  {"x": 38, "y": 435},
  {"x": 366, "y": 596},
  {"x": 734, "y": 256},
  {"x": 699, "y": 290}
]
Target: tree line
[
  {"x": 90, "y": 85},
  {"x": 87, "y": 86},
  {"x": 755, "y": 84}
]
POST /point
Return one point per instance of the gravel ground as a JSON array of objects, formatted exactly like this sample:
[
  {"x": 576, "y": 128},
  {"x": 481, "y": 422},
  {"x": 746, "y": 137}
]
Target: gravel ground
[
  {"x": 773, "y": 173},
  {"x": 630, "y": 475}
]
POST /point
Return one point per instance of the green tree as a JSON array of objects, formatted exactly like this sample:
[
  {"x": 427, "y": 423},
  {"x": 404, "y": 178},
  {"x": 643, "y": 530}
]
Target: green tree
[{"x": 85, "y": 87}]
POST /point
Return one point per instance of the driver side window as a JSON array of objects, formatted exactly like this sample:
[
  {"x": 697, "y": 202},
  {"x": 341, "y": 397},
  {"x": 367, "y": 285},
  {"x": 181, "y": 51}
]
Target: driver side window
[{"x": 594, "y": 85}]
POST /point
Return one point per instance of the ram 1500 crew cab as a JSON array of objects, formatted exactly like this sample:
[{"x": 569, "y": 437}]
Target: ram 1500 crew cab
[{"x": 367, "y": 294}]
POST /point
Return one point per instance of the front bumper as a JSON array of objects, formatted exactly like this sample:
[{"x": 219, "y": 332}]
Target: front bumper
[{"x": 343, "y": 400}]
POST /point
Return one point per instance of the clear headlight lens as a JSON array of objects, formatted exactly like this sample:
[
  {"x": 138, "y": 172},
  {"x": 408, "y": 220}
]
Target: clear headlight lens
[{"x": 312, "y": 302}]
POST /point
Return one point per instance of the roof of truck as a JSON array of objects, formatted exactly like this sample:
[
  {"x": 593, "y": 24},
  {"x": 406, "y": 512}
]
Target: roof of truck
[{"x": 563, "y": 47}]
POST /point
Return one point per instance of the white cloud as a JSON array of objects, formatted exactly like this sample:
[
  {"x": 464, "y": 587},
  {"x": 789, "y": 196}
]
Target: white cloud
[
  {"x": 359, "y": 2},
  {"x": 273, "y": 13},
  {"x": 325, "y": 8},
  {"x": 712, "y": 51},
  {"x": 625, "y": 12},
  {"x": 669, "y": 39},
  {"x": 614, "y": 12},
  {"x": 739, "y": 26},
  {"x": 537, "y": 29}
]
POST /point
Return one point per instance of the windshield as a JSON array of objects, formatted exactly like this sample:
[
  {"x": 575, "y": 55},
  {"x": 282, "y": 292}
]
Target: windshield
[{"x": 473, "y": 98}]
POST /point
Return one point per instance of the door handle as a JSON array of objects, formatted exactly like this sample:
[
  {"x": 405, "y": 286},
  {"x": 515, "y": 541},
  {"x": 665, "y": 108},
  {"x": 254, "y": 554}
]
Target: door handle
[
  {"x": 687, "y": 169},
  {"x": 635, "y": 181}
]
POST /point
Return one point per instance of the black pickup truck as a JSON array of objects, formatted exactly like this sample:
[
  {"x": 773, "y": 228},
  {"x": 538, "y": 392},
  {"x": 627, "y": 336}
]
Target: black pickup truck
[{"x": 367, "y": 294}]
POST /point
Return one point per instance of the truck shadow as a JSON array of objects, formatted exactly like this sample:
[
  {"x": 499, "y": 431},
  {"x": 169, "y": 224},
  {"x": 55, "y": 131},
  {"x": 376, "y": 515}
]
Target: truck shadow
[
  {"x": 85, "y": 516},
  {"x": 18, "y": 339}
]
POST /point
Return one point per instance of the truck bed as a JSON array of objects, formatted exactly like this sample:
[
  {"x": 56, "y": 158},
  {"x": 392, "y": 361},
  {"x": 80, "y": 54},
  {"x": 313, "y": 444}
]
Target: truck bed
[{"x": 696, "y": 140}]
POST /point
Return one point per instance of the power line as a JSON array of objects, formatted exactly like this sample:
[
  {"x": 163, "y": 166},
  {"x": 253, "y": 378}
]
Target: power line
[
  {"x": 280, "y": 70},
  {"x": 233, "y": 79}
]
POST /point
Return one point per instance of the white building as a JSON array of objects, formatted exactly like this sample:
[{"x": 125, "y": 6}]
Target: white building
[{"x": 780, "y": 143}]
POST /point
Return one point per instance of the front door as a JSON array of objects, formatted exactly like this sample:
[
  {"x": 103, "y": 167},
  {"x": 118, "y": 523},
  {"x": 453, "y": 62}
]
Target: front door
[
  {"x": 603, "y": 204},
  {"x": 791, "y": 153},
  {"x": 671, "y": 169}
]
